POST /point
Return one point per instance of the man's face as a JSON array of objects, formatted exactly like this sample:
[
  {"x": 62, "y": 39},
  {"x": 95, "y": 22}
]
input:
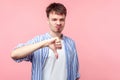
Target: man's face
[{"x": 56, "y": 22}]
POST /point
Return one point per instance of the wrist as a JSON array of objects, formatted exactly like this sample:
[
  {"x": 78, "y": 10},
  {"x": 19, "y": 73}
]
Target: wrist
[{"x": 45, "y": 43}]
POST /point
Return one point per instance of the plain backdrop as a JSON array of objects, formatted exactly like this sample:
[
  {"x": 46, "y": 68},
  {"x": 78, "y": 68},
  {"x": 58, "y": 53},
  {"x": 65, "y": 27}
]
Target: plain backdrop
[{"x": 93, "y": 24}]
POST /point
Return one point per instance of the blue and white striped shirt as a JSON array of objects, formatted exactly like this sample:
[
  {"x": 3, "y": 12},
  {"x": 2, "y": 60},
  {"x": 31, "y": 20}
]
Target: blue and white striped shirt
[{"x": 39, "y": 57}]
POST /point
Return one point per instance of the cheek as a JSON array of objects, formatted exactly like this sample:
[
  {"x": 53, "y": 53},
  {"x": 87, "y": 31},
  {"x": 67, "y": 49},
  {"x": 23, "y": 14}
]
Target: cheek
[
  {"x": 63, "y": 23},
  {"x": 52, "y": 24}
]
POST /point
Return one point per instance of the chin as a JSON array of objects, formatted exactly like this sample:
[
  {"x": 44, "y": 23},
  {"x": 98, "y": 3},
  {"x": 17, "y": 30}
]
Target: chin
[{"x": 59, "y": 31}]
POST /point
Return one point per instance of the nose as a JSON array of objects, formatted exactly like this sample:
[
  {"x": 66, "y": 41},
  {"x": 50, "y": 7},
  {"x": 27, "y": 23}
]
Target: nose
[{"x": 58, "y": 22}]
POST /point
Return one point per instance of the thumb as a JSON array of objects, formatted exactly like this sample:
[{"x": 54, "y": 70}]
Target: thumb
[{"x": 55, "y": 52}]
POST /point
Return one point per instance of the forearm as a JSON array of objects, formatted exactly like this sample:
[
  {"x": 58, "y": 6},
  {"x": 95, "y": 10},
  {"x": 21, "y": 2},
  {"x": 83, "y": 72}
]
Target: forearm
[{"x": 27, "y": 50}]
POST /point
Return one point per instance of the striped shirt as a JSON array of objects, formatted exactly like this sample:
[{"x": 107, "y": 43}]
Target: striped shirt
[{"x": 39, "y": 57}]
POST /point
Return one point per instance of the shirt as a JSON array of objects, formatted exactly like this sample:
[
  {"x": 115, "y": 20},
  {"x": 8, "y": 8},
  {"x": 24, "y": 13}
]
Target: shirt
[
  {"x": 55, "y": 68},
  {"x": 38, "y": 58}
]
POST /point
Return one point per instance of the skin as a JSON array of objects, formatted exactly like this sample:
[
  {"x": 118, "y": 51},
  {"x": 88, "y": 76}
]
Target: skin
[{"x": 56, "y": 23}]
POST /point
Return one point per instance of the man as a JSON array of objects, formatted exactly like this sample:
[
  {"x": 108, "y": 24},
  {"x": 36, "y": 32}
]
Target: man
[{"x": 53, "y": 55}]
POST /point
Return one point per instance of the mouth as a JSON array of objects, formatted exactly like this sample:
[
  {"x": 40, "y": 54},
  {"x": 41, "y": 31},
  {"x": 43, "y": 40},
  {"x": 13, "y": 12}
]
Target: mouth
[{"x": 58, "y": 27}]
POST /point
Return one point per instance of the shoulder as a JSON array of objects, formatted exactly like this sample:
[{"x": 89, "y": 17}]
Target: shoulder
[
  {"x": 40, "y": 37},
  {"x": 69, "y": 40}
]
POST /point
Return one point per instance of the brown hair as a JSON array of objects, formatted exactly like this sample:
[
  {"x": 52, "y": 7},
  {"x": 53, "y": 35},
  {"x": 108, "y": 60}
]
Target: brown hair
[{"x": 58, "y": 8}]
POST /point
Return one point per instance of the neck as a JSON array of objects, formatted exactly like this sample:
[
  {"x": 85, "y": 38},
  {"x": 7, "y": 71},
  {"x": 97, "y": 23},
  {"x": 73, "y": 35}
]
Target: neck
[{"x": 55, "y": 34}]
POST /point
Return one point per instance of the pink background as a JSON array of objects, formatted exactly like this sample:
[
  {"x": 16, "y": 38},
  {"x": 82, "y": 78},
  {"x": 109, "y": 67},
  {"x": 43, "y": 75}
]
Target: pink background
[{"x": 93, "y": 24}]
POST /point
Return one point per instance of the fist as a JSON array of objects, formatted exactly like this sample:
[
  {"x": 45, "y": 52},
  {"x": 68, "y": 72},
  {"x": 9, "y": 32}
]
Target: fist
[{"x": 58, "y": 44}]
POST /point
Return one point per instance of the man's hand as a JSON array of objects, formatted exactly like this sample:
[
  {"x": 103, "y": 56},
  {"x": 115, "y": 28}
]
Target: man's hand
[{"x": 54, "y": 44}]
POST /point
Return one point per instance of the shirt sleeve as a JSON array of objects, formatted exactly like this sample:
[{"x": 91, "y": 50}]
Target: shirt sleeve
[
  {"x": 76, "y": 63},
  {"x": 29, "y": 57}
]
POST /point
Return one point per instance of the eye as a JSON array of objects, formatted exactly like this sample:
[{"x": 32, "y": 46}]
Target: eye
[
  {"x": 54, "y": 19},
  {"x": 62, "y": 19}
]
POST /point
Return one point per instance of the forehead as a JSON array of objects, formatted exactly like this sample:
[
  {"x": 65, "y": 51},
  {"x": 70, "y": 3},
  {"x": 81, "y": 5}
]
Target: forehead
[{"x": 56, "y": 15}]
